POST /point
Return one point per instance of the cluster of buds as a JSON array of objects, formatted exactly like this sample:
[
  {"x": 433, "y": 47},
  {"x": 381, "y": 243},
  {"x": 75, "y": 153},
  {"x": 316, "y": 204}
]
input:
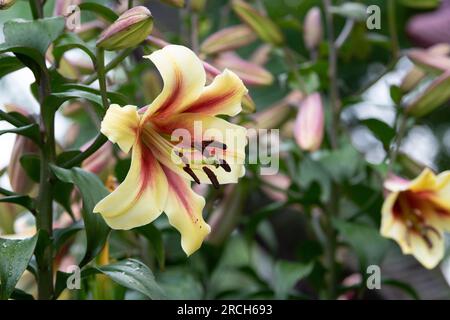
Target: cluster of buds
[
  {"x": 309, "y": 125},
  {"x": 431, "y": 61}
]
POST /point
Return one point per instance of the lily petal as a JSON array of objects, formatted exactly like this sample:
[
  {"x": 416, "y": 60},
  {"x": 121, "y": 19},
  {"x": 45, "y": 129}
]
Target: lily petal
[
  {"x": 184, "y": 210},
  {"x": 120, "y": 125},
  {"x": 428, "y": 256},
  {"x": 184, "y": 79},
  {"x": 223, "y": 96},
  {"x": 141, "y": 197},
  {"x": 426, "y": 181},
  {"x": 228, "y": 143}
]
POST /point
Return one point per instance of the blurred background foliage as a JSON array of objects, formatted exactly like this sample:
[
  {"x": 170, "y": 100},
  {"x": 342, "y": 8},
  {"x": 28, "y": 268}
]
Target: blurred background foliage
[{"x": 270, "y": 237}]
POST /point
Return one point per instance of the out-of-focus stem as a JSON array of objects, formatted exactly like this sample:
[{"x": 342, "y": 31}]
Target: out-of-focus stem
[
  {"x": 111, "y": 65},
  {"x": 332, "y": 75},
  {"x": 100, "y": 66},
  {"x": 194, "y": 32},
  {"x": 393, "y": 29}
]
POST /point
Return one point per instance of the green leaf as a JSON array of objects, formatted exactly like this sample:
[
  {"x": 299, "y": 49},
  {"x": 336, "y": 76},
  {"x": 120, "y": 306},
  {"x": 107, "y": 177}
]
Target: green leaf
[
  {"x": 396, "y": 94},
  {"x": 367, "y": 242},
  {"x": 287, "y": 274},
  {"x": 31, "y": 164},
  {"x": 132, "y": 274},
  {"x": 30, "y": 131},
  {"x": 154, "y": 237},
  {"x": 351, "y": 10},
  {"x": 403, "y": 286},
  {"x": 29, "y": 40},
  {"x": 381, "y": 130},
  {"x": 434, "y": 96},
  {"x": 342, "y": 164},
  {"x": 9, "y": 64},
  {"x": 92, "y": 191},
  {"x": 14, "y": 258},
  {"x": 24, "y": 201},
  {"x": 60, "y": 236},
  {"x": 15, "y": 118},
  {"x": 99, "y": 9}
]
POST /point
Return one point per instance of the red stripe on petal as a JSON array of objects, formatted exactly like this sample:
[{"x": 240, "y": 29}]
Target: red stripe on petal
[
  {"x": 148, "y": 168},
  {"x": 209, "y": 102},
  {"x": 180, "y": 190},
  {"x": 170, "y": 102}
]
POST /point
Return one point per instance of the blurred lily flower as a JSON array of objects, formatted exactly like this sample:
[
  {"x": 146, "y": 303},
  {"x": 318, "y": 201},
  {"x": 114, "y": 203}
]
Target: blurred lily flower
[
  {"x": 130, "y": 29},
  {"x": 309, "y": 125},
  {"x": 415, "y": 214},
  {"x": 161, "y": 169},
  {"x": 427, "y": 29},
  {"x": 266, "y": 29},
  {"x": 250, "y": 73},
  {"x": 228, "y": 39},
  {"x": 312, "y": 29}
]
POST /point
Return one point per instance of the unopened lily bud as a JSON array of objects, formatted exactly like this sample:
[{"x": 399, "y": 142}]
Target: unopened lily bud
[
  {"x": 132, "y": 27},
  {"x": 5, "y": 4},
  {"x": 250, "y": 73},
  {"x": 309, "y": 125},
  {"x": 228, "y": 39},
  {"x": 262, "y": 25},
  {"x": 100, "y": 161},
  {"x": 198, "y": 5},
  {"x": 312, "y": 28},
  {"x": 261, "y": 55},
  {"x": 437, "y": 93},
  {"x": 273, "y": 116},
  {"x": 18, "y": 178},
  {"x": 434, "y": 59},
  {"x": 175, "y": 3}
]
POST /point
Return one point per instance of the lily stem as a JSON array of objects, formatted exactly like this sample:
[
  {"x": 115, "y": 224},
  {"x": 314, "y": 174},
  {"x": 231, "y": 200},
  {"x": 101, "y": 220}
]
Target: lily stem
[{"x": 111, "y": 65}]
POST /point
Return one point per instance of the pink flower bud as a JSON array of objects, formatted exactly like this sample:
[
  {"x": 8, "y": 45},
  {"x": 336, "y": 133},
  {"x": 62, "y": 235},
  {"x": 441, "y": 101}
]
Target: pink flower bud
[
  {"x": 312, "y": 28},
  {"x": 132, "y": 27},
  {"x": 309, "y": 125},
  {"x": 228, "y": 39}
]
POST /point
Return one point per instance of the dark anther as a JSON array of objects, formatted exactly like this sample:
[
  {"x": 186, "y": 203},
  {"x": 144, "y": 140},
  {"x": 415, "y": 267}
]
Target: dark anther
[
  {"x": 212, "y": 177},
  {"x": 225, "y": 166},
  {"x": 209, "y": 144},
  {"x": 189, "y": 171}
]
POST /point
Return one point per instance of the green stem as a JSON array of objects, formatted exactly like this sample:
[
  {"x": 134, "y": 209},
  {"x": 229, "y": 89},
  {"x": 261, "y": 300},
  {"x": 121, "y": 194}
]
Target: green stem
[
  {"x": 102, "y": 76},
  {"x": 393, "y": 29},
  {"x": 36, "y": 9},
  {"x": 111, "y": 65},
  {"x": 99, "y": 141},
  {"x": 393, "y": 154},
  {"x": 44, "y": 217}
]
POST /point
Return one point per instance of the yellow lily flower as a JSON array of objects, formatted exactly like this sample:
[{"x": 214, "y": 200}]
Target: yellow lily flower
[
  {"x": 416, "y": 213},
  {"x": 162, "y": 166}
]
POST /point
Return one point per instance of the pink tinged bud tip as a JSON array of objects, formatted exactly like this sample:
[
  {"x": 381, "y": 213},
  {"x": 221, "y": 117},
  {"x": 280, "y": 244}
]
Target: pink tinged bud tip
[{"x": 309, "y": 125}]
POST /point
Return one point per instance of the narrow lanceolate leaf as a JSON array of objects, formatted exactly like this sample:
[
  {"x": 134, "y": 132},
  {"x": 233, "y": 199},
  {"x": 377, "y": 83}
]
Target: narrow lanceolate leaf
[
  {"x": 29, "y": 40},
  {"x": 434, "y": 96},
  {"x": 132, "y": 274},
  {"x": 263, "y": 26},
  {"x": 92, "y": 191},
  {"x": 228, "y": 39},
  {"x": 23, "y": 201},
  {"x": 30, "y": 131},
  {"x": 9, "y": 64},
  {"x": 14, "y": 258}
]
